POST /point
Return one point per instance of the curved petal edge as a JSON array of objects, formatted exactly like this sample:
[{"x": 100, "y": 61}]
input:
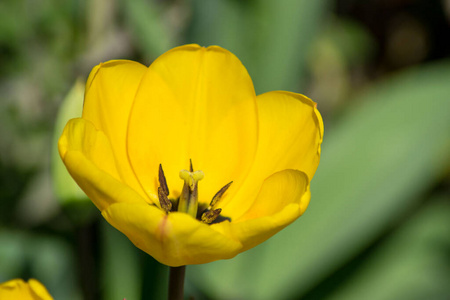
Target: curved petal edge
[
  {"x": 176, "y": 239},
  {"x": 88, "y": 157},
  {"x": 283, "y": 198}
]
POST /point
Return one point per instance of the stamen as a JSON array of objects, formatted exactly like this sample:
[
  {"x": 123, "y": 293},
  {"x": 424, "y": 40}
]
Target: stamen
[
  {"x": 166, "y": 205},
  {"x": 209, "y": 216},
  {"x": 219, "y": 194},
  {"x": 162, "y": 181}
]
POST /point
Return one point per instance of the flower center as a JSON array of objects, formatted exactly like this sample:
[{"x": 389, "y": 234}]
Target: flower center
[{"x": 188, "y": 200}]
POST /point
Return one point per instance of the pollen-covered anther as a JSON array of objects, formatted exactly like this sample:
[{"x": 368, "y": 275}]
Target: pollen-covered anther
[
  {"x": 209, "y": 216},
  {"x": 219, "y": 194},
  {"x": 163, "y": 191},
  {"x": 162, "y": 181},
  {"x": 166, "y": 205}
]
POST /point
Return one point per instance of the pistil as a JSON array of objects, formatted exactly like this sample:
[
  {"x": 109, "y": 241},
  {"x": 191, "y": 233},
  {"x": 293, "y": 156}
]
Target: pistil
[{"x": 188, "y": 202}]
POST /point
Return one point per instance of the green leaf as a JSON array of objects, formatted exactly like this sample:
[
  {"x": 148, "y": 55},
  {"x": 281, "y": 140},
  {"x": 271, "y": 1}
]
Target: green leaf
[
  {"x": 283, "y": 31},
  {"x": 410, "y": 264},
  {"x": 75, "y": 202},
  {"x": 145, "y": 19},
  {"x": 271, "y": 38},
  {"x": 221, "y": 22},
  {"x": 126, "y": 271},
  {"x": 377, "y": 159},
  {"x": 120, "y": 269},
  {"x": 65, "y": 187},
  {"x": 46, "y": 258}
]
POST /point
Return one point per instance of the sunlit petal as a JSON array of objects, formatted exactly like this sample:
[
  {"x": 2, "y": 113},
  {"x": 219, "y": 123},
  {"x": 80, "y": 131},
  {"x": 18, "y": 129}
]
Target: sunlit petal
[
  {"x": 175, "y": 239},
  {"x": 21, "y": 290},
  {"x": 284, "y": 197},
  {"x": 290, "y": 136},
  {"x": 194, "y": 103},
  {"x": 88, "y": 156},
  {"x": 110, "y": 92}
]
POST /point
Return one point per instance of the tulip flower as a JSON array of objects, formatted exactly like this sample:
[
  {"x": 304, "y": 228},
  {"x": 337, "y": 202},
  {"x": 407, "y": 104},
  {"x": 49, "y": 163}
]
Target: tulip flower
[
  {"x": 20, "y": 290},
  {"x": 185, "y": 160}
]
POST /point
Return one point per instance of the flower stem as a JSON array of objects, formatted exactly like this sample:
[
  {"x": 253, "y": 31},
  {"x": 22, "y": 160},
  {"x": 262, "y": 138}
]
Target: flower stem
[{"x": 176, "y": 283}]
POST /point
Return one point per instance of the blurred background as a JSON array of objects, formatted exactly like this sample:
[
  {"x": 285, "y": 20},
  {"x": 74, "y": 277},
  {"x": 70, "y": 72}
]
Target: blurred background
[{"x": 378, "y": 226}]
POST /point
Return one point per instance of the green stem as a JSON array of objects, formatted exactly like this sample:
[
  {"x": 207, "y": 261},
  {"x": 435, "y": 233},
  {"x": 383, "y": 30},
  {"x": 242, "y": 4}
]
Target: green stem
[{"x": 176, "y": 283}]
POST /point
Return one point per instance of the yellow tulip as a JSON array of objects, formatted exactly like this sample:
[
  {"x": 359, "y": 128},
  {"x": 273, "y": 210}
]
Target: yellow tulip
[
  {"x": 18, "y": 289},
  {"x": 192, "y": 104}
]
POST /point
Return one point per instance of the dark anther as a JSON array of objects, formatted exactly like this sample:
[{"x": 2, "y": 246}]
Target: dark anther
[
  {"x": 163, "y": 200},
  {"x": 219, "y": 194},
  {"x": 191, "y": 168},
  {"x": 162, "y": 181},
  {"x": 209, "y": 216}
]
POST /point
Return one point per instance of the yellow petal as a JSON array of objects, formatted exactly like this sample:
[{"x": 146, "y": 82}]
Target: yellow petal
[
  {"x": 175, "y": 239},
  {"x": 290, "y": 135},
  {"x": 88, "y": 156},
  {"x": 110, "y": 93},
  {"x": 283, "y": 197},
  {"x": 194, "y": 103},
  {"x": 38, "y": 290},
  {"x": 21, "y": 290}
]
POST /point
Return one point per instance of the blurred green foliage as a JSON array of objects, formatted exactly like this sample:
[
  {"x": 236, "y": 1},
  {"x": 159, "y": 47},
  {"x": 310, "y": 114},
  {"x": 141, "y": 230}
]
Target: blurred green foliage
[
  {"x": 65, "y": 187},
  {"x": 377, "y": 225}
]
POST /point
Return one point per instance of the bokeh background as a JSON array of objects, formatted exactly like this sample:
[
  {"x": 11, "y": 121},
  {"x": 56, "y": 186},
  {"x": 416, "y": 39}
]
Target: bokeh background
[{"x": 378, "y": 226}]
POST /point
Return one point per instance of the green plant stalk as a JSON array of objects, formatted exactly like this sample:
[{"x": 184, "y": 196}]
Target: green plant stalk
[{"x": 176, "y": 283}]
